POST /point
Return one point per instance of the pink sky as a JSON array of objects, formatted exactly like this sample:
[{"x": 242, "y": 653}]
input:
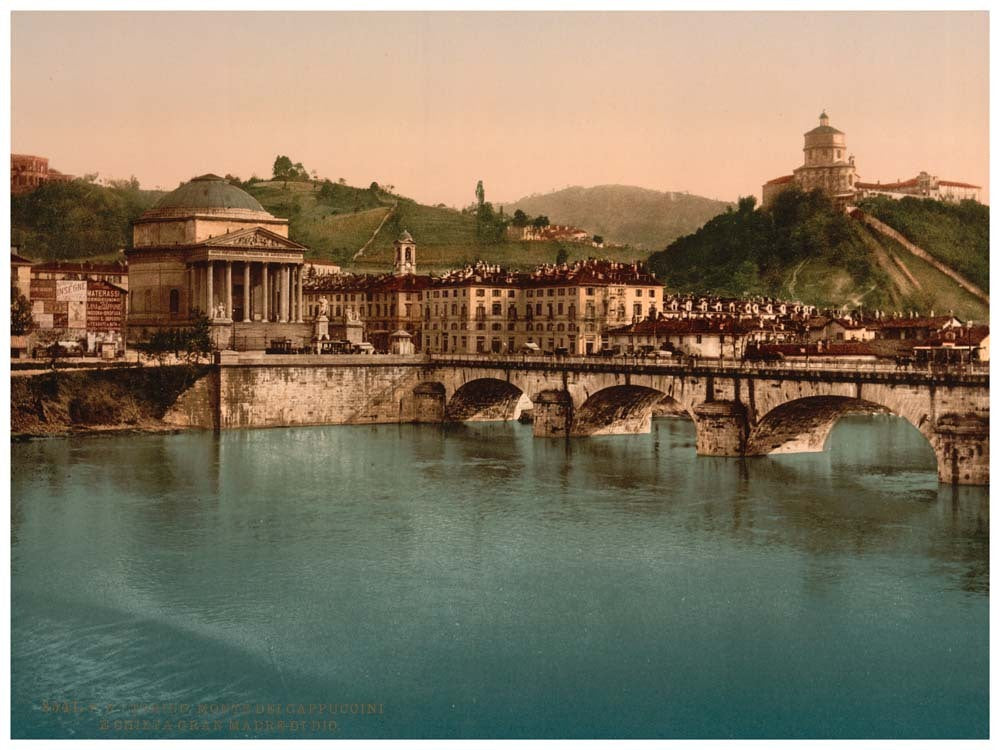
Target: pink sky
[{"x": 710, "y": 103}]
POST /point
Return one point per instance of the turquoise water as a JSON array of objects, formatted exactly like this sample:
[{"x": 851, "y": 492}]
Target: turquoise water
[{"x": 473, "y": 581}]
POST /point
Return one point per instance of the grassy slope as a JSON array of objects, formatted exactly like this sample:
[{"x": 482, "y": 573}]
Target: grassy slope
[
  {"x": 826, "y": 268},
  {"x": 937, "y": 292},
  {"x": 956, "y": 234},
  {"x": 624, "y": 214},
  {"x": 445, "y": 237}
]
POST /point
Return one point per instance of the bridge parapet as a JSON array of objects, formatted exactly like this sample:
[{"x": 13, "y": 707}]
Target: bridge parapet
[{"x": 738, "y": 409}]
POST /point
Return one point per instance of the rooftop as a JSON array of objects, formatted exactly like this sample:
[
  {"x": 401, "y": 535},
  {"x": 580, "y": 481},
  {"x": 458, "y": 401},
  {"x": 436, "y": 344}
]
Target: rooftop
[{"x": 209, "y": 191}]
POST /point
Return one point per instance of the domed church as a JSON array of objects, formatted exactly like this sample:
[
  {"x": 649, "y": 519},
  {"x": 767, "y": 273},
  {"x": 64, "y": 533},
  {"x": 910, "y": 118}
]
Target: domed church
[
  {"x": 210, "y": 247},
  {"x": 826, "y": 166}
]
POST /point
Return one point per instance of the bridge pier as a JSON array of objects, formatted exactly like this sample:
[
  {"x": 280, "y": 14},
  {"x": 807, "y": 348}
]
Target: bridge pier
[
  {"x": 722, "y": 428},
  {"x": 962, "y": 447},
  {"x": 553, "y": 414},
  {"x": 429, "y": 402}
]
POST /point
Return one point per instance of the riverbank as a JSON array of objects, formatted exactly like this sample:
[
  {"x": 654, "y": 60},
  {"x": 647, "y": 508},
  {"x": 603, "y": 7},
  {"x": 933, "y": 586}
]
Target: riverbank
[{"x": 65, "y": 402}]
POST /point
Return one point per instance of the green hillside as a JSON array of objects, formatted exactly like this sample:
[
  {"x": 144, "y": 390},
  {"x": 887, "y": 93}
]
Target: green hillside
[
  {"x": 336, "y": 221},
  {"x": 804, "y": 248},
  {"x": 78, "y": 219},
  {"x": 624, "y": 214},
  {"x": 958, "y": 234}
]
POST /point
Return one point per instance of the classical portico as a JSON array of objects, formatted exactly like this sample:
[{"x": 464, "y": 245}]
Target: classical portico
[
  {"x": 210, "y": 248},
  {"x": 251, "y": 276}
]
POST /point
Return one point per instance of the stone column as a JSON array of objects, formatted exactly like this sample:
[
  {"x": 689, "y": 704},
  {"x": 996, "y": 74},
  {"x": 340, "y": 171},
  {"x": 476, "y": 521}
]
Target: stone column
[
  {"x": 190, "y": 288},
  {"x": 264, "y": 298},
  {"x": 229, "y": 290},
  {"x": 722, "y": 428},
  {"x": 298, "y": 274},
  {"x": 283, "y": 294},
  {"x": 246, "y": 292},
  {"x": 209, "y": 297},
  {"x": 552, "y": 414}
]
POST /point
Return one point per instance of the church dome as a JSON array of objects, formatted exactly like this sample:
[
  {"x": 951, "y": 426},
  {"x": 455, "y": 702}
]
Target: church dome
[{"x": 209, "y": 192}]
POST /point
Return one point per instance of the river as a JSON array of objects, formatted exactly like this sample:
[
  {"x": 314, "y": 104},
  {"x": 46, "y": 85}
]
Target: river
[{"x": 473, "y": 581}]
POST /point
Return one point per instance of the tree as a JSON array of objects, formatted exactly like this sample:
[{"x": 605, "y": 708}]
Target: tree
[
  {"x": 562, "y": 256},
  {"x": 21, "y": 321},
  {"x": 598, "y": 239},
  {"x": 540, "y": 222},
  {"x": 283, "y": 168},
  {"x": 327, "y": 191},
  {"x": 341, "y": 181},
  {"x": 374, "y": 187},
  {"x": 520, "y": 218},
  {"x": 480, "y": 194}
]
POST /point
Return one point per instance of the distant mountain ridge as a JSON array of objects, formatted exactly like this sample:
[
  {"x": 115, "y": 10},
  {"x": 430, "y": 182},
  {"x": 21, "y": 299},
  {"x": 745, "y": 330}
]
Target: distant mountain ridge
[{"x": 624, "y": 214}]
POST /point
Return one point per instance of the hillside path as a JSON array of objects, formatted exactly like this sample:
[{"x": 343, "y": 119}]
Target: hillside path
[
  {"x": 378, "y": 229},
  {"x": 888, "y": 231}
]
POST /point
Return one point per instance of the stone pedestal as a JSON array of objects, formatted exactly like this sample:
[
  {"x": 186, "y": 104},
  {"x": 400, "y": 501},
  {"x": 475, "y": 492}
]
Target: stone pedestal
[
  {"x": 553, "y": 414},
  {"x": 962, "y": 447},
  {"x": 221, "y": 333},
  {"x": 354, "y": 331},
  {"x": 321, "y": 329},
  {"x": 722, "y": 428}
]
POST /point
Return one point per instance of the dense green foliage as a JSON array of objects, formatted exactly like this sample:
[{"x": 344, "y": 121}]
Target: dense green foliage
[
  {"x": 76, "y": 219},
  {"x": 622, "y": 214},
  {"x": 752, "y": 251},
  {"x": 192, "y": 342},
  {"x": 958, "y": 234},
  {"x": 284, "y": 169},
  {"x": 802, "y": 247}
]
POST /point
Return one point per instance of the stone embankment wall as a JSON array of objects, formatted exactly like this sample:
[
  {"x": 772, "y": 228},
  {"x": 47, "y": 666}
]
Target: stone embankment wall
[{"x": 292, "y": 391}]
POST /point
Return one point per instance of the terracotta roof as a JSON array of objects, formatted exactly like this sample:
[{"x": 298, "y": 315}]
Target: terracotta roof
[
  {"x": 937, "y": 321},
  {"x": 781, "y": 180},
  {"x": 959, "y": 336},
  {"x": 80, "y": 267},
  {"x": 958, "y": 184},
  {"x": 19, "y": 260},
  {"x": 673, "y": 326}
]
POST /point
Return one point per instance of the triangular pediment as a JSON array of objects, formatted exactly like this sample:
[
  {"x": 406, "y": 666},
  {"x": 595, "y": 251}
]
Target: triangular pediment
[{"x": 255, "y": 238}]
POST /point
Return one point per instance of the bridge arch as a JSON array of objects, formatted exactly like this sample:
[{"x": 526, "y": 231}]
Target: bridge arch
[
  {"x": 483, "y": 400},
  {"x": 803, "y": 425},
  {"x": 618, "y": 409}
]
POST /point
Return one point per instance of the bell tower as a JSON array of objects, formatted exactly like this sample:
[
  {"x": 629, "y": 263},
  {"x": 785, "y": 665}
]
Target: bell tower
[{"x": 405, "y": 262}]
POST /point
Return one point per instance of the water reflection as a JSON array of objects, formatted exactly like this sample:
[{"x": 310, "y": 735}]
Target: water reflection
[{"x": 478, "y": 567}]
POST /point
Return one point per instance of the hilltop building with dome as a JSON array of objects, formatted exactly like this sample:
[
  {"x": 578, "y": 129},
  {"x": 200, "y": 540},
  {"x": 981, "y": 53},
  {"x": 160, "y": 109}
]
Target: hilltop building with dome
[
  {"x": 826, "y": 166},
  {"x": 210, "y": 247},
  {"x": 829, "y": 168}
]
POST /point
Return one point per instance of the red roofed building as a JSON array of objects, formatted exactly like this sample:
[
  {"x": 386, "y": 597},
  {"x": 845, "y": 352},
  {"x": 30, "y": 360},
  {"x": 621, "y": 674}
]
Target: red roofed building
[
  {"x": 827, "y": 167},
  {"x": 923, "y": 185}
]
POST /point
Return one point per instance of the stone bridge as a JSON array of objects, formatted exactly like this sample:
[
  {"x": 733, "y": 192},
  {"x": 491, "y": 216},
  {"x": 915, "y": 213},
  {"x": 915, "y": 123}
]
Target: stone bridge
[{"x": 737, "y": 409}]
